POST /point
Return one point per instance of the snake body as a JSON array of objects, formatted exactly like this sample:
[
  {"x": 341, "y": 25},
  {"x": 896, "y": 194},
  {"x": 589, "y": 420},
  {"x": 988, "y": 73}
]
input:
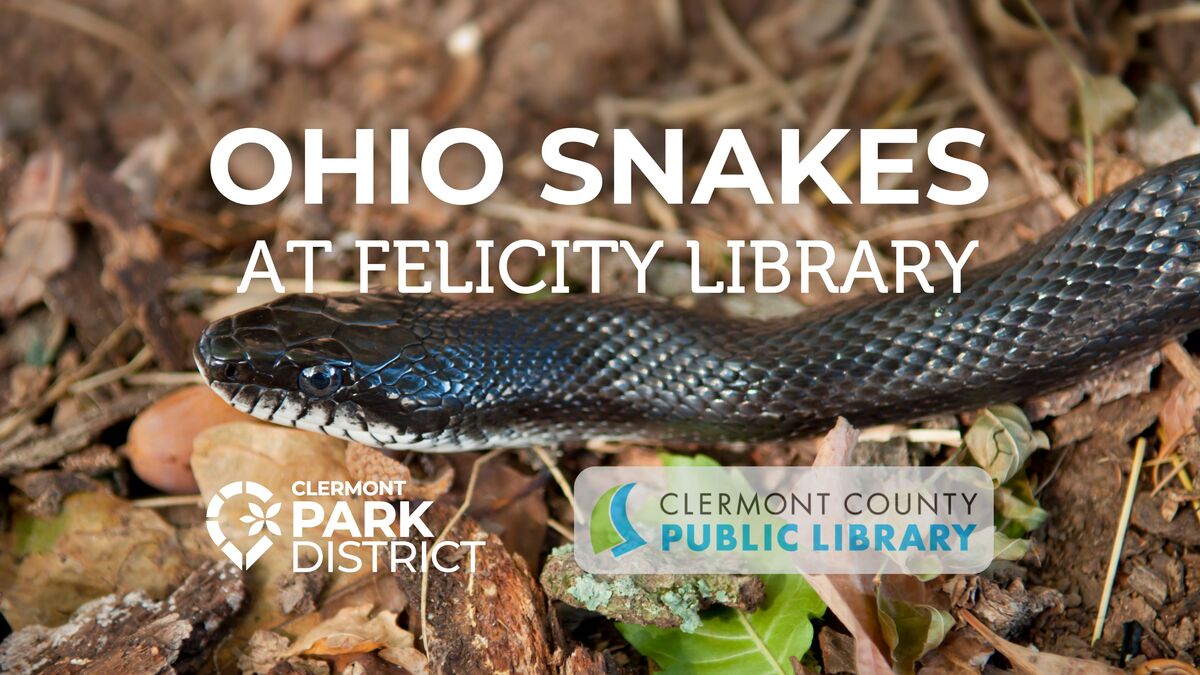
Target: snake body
[{"x": 418, "y": 372}]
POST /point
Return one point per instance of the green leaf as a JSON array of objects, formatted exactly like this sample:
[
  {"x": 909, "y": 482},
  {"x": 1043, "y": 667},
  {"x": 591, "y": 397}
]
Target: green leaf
[
  {"x": 1018, "y": 512},
  {"x": 1001, "y": 440},
  {"x": 911, "y": 630},
  {"x": 1005, "y": 547},
  {"x": 1103, "y": 101},
  {"x": 671, "y": 459},
  {"x": 733, "y": 641}
]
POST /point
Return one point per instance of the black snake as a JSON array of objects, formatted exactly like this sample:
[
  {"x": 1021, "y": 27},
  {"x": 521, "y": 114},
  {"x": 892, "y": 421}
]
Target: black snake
[{"x": 406, "y": 372}]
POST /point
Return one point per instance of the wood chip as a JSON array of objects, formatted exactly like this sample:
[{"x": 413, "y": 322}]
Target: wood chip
[
  {"x": 134, "y": 267},
  {"x": 133, "y": 634}
]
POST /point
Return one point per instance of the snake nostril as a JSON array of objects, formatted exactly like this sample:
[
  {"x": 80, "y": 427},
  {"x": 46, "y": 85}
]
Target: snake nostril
[{"x": 230, "y": 370}]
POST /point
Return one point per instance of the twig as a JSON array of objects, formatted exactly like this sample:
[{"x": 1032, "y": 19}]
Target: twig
[
  {"x": 887, "y": 432},
  {"x": 1163, "y": 482},
  {"x": 467, "y": 496},
  {"x": 552, "y": 466},
  {"x": 112, "y": 33},
  {"x": 670, "y": 18},
  {"x": 139, "y": 361},
  {"x": 735, "y": 46},
  {"x": 62, "y": 385},
  {"x": 561, "y": 529},
  {"x": 902, "y": 103},
  {"x": 158, "y": 378},
  {"x": 944, "y": 217},
  {"x": 719, "y": 108},
  {"x": 1148, "y": 20},
  {"x": 169, "y": 501},
  {"x": 529, "y": 217},
  {"x": 226, "y": 285},
  {"x": 1186, "y": 479},
  {"x": 1082, "y": 82},
  {"x": 829, "y": 114},
  {"x": 1007, "y": 136},
  {"x": 1139, "y": 454}
]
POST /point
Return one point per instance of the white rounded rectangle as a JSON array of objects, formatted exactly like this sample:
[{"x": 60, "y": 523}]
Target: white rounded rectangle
[{"x": 830, "y": 520}]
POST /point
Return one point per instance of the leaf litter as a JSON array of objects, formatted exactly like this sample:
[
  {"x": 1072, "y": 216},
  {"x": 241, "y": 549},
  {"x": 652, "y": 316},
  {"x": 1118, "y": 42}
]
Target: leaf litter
[{"x": 142, "y": 253}]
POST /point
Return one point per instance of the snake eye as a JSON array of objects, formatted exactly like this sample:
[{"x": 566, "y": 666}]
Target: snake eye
[{"x": 320, "y": 381}]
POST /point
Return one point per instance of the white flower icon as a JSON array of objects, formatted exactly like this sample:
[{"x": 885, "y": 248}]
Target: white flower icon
[{"x": 258, "y": 520}]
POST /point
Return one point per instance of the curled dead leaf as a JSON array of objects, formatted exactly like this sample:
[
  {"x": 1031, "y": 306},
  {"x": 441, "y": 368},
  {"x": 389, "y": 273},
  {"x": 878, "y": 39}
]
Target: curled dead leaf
[{"x": 354, "y": 630}]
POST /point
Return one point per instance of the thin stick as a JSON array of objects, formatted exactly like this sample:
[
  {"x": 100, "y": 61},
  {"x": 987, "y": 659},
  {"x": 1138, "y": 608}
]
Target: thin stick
[
  {"x": 1114, "y": 560},
  {"x": 139, "y": 361},
  {"x": 226, "y": 285},
  {"x": 561, "y": 529},
  {"x": 591, "y": 225},
  {"x": 887, "y": 432},
  {"x": 944, "y": 217},
  {"x": 1163, "y": 482},
  {"x": 1147, "y": 20},
  {"x": 62, "y": 385},
  {"x": 159, "y": 377},
  {"x": 1007, "y": 136},
  {"x": 1186, "y": 479},
  {"x": 563, "y": 485},
  {"x": 901, "y": 104},
  {"x": 165, "y": 502},
  {"x": 470, "y": 493},
  {"x": 829, "y": 114},
  {"x": 107, "y": 31},
  {"x": 737, "y": 49}
]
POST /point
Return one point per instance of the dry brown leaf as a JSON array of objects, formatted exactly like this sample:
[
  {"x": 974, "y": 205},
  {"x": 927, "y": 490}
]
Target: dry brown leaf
[
  {"x": 274, "y": 457},
  {"x": 40, "y": 243},
  {"x": 1027, "y": 660},
  {"x": 1011, "y": 31},
  {"x": 97, "y": 544},
  {"x": 851, "y": 597},
  {"x": 34, "y": 251},
  {"x": 353, "y": 631},
  {"x": 1052, "y": 91},
  {"x": 1178, "y": 415},
  {"x": 46, "y": 187},
  {"x": 963, "y": 651}
]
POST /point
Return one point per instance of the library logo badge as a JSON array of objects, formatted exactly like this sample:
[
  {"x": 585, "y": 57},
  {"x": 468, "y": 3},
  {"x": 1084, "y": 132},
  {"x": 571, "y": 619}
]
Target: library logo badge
[{"x": 610, "y": 527}]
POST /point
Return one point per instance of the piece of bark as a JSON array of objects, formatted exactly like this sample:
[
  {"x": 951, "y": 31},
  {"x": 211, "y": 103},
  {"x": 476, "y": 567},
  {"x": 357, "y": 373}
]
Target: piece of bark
[
  {"x": 837, "y": 651},
  {"x": 47, "y": 489},
  {"x": 299, "y": 591},
  {"x": 44, "y": 446},
  {"x": 584, "y": 661},
  {"x": 1147, "y": 516},
  {"x": 1120, "y": 420},
  {"x": 132, "y": 633},
  {"x": 639, "y": 598},
  {"x": 1130, "y": 378},
  {"x": 1011, "y": 609},
  {"x": 134, "y": 268},
  {"x": 93, "y": 312},
  {"x": 491, "y": 621},
  {"x": 93, "y": 460}
]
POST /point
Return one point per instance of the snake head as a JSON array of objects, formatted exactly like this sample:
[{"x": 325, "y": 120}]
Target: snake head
[{"x": 325, "y": 364}]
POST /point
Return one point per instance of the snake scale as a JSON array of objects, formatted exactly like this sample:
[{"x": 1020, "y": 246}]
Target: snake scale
[{"x": 1118, "y": 279}]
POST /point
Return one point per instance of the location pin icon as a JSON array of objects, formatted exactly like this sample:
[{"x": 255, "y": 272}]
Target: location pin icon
[{"x": 223, "y": 542}]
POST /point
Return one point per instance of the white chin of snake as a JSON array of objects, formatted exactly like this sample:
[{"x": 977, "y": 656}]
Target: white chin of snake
[{"x": 341, "y": 420}]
